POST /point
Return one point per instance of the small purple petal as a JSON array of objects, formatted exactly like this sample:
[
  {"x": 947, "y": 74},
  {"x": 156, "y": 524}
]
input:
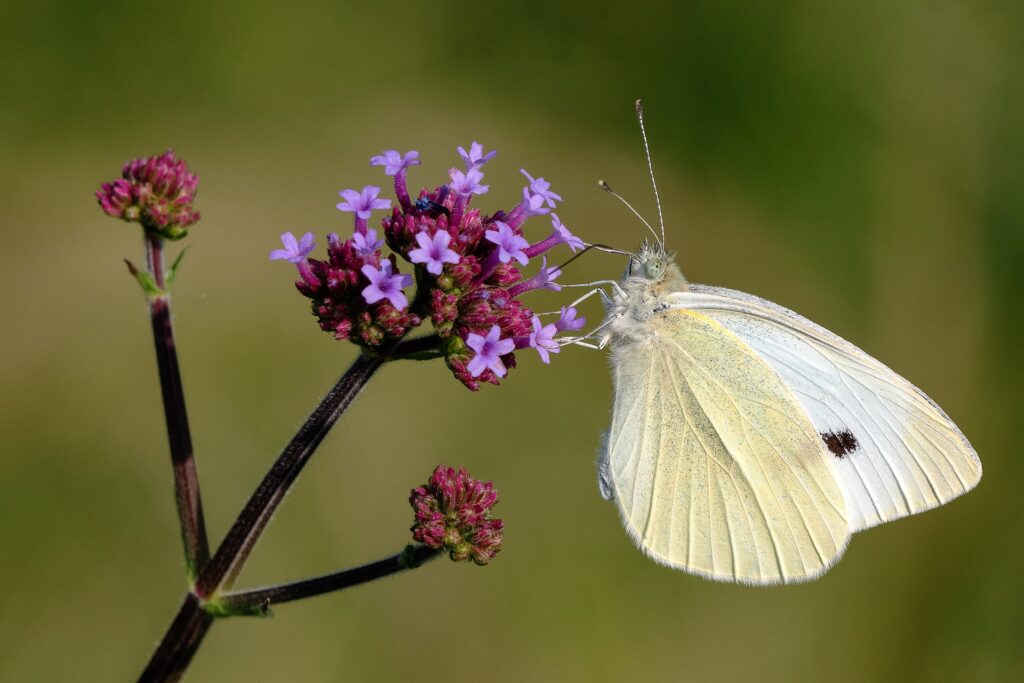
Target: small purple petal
[
  {"x": 568, "y": 320},
  {"x": 385, "y": 285},
  {"x": 565, "y": 235},
  {"x": 294, "y": 251},
  {"x": 488, "y": 350},
  {"x": 467, "y": 183},
  {"x": 546, "y": 277},
  {"x": 543, "y": 339},
  {"x": 366, "y": 245},
  {"x": 394, "y": 162},
  {"x": 475, "y": 157},
  {"x": 362, "y": 203},
  {"x": 539, "y": 186},
  {"x": 510, "y": 245},
  {"x": 533, "y": 204},
  {"x": 434, "y": 251}
]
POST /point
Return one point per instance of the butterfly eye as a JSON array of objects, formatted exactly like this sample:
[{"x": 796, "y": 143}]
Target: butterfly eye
[{"x": 654, "y": 268}]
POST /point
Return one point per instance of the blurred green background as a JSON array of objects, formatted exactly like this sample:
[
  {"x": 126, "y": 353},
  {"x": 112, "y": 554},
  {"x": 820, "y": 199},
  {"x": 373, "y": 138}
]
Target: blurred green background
[{"x": 861, "y": 164}]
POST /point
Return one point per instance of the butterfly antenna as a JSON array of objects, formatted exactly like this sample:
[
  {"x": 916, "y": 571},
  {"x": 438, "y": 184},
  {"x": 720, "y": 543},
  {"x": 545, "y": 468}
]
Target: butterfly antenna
[
  {"x": 598, "y": 247},
  {"x": 650, "y": 168},
  {"x": 607, "y": 188}
]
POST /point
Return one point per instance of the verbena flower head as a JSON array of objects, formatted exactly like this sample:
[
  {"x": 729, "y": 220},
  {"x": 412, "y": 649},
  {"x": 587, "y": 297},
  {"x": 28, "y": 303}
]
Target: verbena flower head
[
  {"x": 157, "y": 192},
  {"x": 453, "y": 512},
  {"x": 467, "y": 270}
]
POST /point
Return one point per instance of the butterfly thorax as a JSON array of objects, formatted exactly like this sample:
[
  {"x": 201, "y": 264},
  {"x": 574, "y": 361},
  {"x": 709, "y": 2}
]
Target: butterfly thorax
[{"x": 650, "y": 278}]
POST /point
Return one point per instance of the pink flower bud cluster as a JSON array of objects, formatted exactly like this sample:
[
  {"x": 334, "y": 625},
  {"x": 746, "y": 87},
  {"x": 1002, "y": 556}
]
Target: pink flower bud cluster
[
  {"x": 157, "y": 192},
  {"x": 453, "y": 512},
  {"x": 345, "y": 305}
]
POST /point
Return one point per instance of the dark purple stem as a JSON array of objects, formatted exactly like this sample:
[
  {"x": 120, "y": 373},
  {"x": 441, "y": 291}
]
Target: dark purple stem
[
  {"x": 186, "y": 479},
  {"x": 244, "y": 533},
  {"x": 259, "y": 600},
  {"x": 186, "y": 632},
  {"x": 180, "y": 642},
  {"x": 418, "y": 348}
]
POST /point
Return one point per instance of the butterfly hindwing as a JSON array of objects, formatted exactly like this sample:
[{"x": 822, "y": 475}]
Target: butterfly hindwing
[
  {"x": 713, "y": 464},
  {"x": 896, "y": 452}
]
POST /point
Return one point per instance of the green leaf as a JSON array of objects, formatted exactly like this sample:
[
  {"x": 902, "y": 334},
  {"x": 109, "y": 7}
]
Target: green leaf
[
  {"x": 145, "y": 280},
  {"x": 173, "y": 272}
]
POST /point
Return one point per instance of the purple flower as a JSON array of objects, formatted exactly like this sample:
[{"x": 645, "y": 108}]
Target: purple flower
[
  {"x": 544, "y": 279},
  {"x": 510, "y": 245},
  {"x": 434, "y": 251},
  {"x": 476, "y": 158},
  {"x": 565, "y": 236},
  {"x": 362, "y": 203},
  {"x": 539, "y": 186},
  {"x": 453, "y": 512},
  {"x": 467, "y": 183},
  {"x": 294, "y": 251},
  {"x": 532, "y": 204},
  {"x": 543, "y": 339},
  {"x": 384, "y": 285},
  {"x": 366, "y": 245},
  {"x": 568, "y": 320},
  {"x": 394, "y": 162},
  {"x": 489, "y": 350}
]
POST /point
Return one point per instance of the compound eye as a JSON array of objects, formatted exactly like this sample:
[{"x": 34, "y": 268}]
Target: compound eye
[{"x": 654, "y": 268}]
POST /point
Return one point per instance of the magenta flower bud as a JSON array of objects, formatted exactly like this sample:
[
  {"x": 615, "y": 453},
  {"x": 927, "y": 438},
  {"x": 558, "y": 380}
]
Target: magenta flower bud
[
  {"x": 453, "y": 513},
  {"x": 157, "y": 192}
]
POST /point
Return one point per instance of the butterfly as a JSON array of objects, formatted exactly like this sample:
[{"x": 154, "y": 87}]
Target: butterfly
[{"x": 746, "y": 442}]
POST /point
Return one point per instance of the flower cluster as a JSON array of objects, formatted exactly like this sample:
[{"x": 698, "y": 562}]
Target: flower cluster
[
  {"x": 467, "y": 269},
  {"x": 157, "y": 192},
  {"x": 453, "y": 512}
]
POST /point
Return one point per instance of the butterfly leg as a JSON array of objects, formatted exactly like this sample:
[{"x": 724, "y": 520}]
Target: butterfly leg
[
  {"x": 602, "y": 340},
  {"x": 598, "y": 290}
]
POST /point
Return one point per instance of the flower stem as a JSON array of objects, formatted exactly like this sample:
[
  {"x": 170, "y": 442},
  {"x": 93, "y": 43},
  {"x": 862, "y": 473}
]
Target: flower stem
[
  {"x": 426, "y": 347},
  {"x": 186, "y": 479},
  {"x": 180, "y": 642},
  {"x": 259, "y": 600},
  {"x": 186, "y": 632},
  {"x": 241, "y": 538}
]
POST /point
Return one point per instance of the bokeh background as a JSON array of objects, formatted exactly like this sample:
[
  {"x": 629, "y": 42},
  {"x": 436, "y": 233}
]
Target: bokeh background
[{"x": 861, "y": 164}]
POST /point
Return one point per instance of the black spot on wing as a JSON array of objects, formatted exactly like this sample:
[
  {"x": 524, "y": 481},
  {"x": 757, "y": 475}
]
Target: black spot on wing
[{"x": 841, "y": 443}]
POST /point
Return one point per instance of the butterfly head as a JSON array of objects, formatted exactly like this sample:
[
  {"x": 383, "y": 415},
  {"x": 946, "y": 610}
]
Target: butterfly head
[{"x": 653, "y": 264}]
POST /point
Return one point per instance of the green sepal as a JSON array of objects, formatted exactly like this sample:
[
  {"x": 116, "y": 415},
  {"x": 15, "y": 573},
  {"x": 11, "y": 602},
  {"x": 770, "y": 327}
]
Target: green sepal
[{"x": 173, "y": 233}]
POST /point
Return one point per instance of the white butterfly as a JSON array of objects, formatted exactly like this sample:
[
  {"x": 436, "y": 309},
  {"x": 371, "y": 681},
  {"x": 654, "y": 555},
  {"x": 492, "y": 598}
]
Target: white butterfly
[{"x": 747, "y": 443}]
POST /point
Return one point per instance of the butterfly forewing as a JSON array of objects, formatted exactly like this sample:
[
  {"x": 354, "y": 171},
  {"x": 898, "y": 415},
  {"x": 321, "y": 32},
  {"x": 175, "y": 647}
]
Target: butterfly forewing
[
  {"x": 896, "y": 452},
  {"x": 712, "y": 461}
]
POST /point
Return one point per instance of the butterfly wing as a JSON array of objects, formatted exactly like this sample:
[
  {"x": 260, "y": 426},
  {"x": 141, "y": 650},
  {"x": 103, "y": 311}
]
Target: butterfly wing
[
  {"x": 714, "y": 466},
  {"x": 896, "y": 452}
]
